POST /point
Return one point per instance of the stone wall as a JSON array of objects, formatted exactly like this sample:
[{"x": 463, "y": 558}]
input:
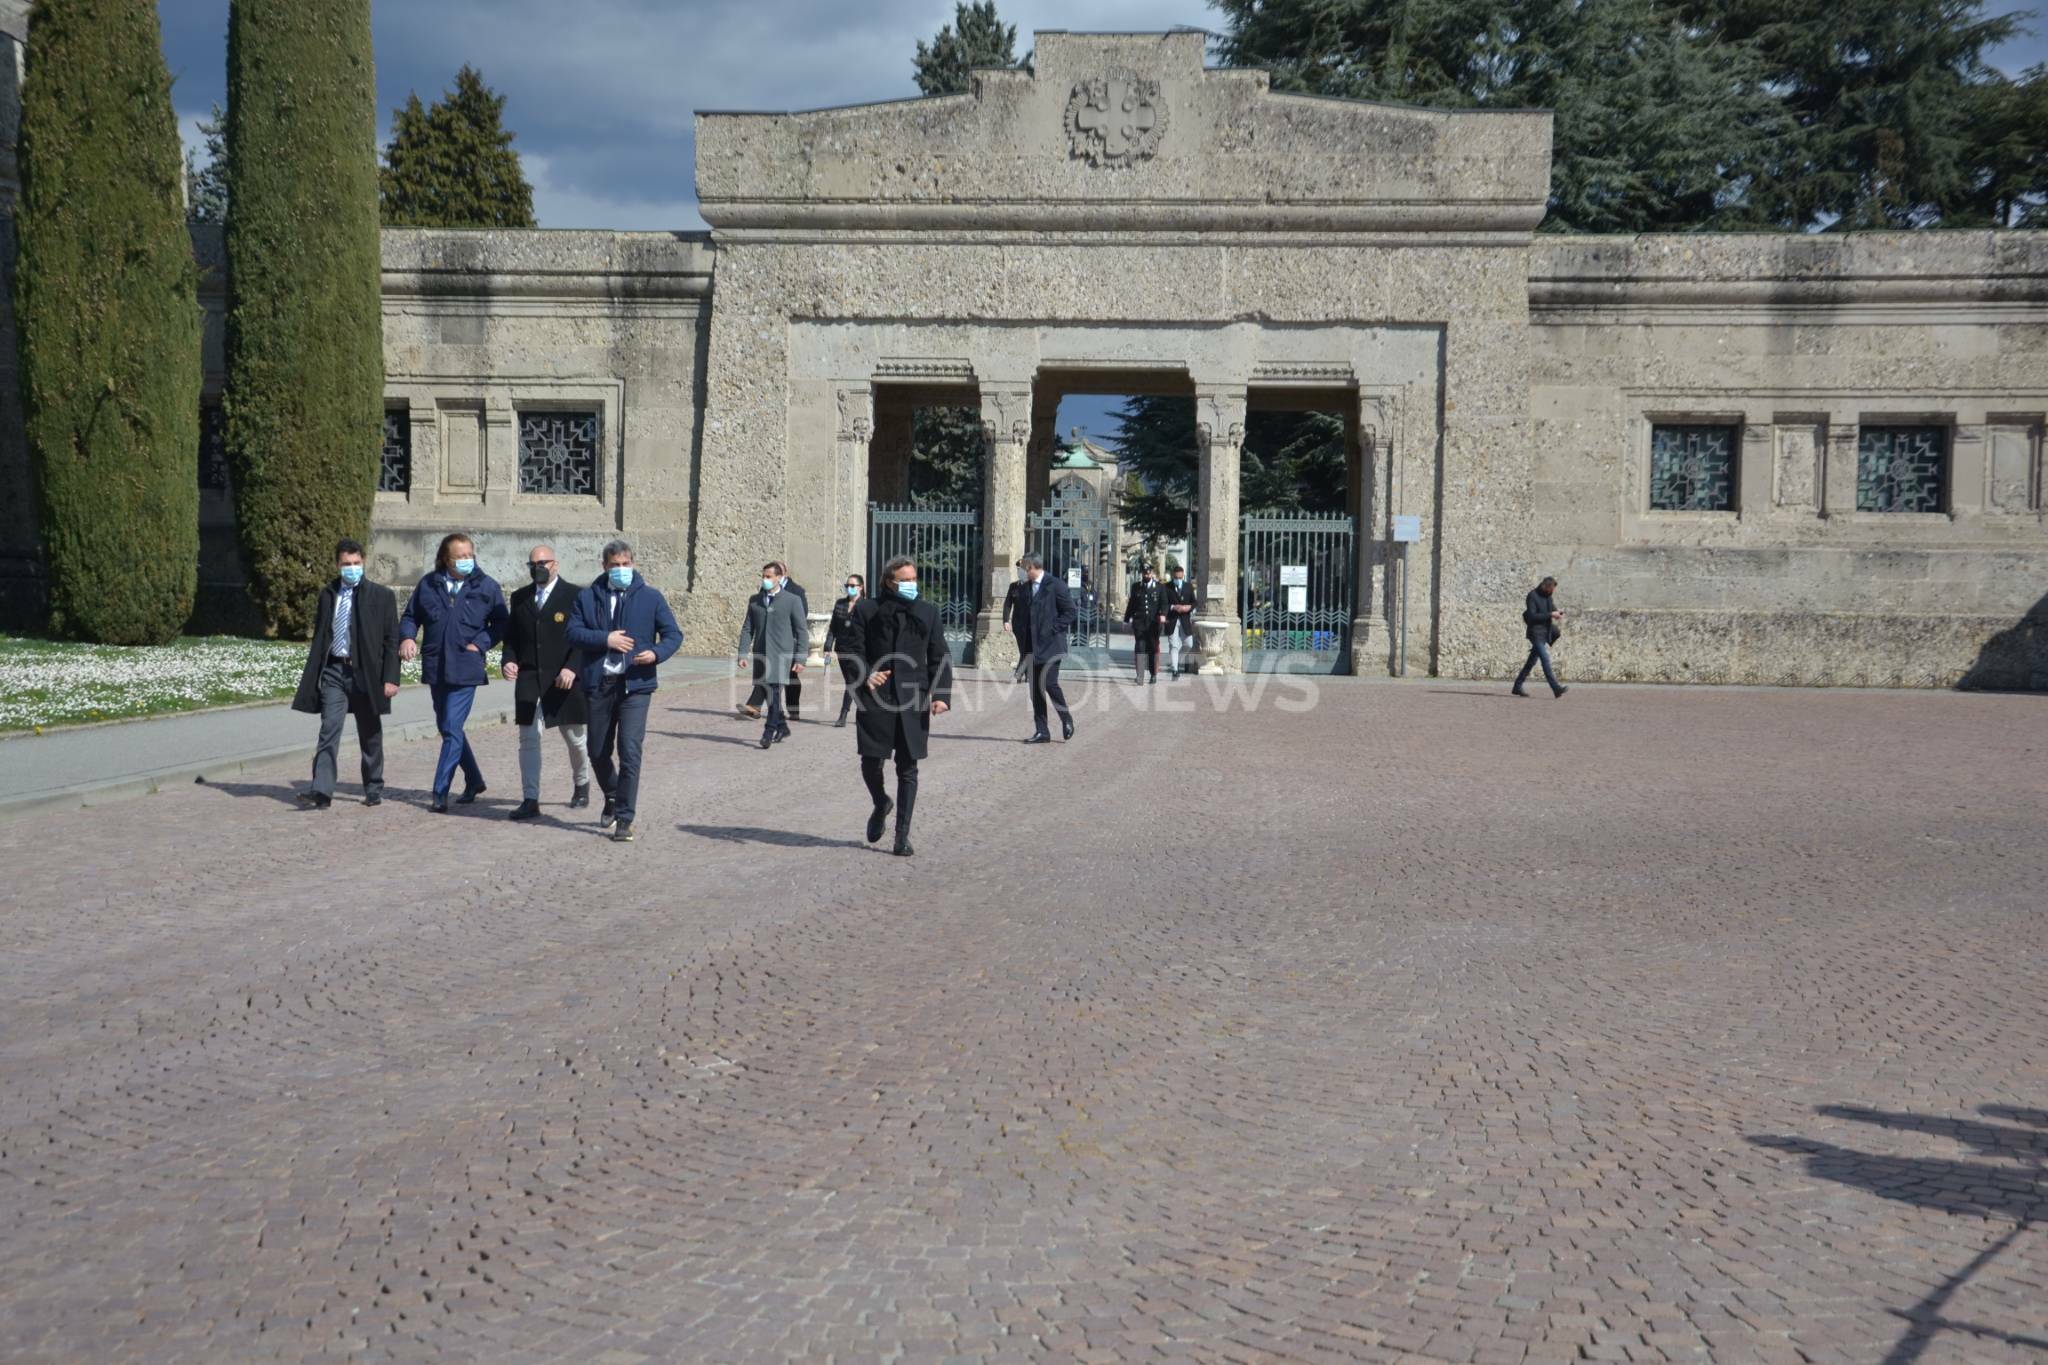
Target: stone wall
[{"x": 1796, "y": 343}]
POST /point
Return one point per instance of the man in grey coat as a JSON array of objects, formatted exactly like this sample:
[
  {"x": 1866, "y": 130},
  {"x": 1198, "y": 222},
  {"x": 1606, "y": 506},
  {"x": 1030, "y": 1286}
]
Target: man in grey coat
[{"x": 776, "y": 640}]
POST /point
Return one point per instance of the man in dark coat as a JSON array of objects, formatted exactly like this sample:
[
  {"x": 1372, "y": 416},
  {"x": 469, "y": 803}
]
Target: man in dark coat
[
  {"x": 542, "y": 666},
  {"x": 1180, "y": 617},
  {"x": 626, "y": 631},
  {"x": 775, "y": 639},
  {"x": 1048, "y": 615},
  {"x": 1145, "y": 613},
  {"x": 351, "y": 669},
  {"x": 458, "y": 611},
  {"x": 907, "y": 679},
  {"x": 1539, "y": 621}
]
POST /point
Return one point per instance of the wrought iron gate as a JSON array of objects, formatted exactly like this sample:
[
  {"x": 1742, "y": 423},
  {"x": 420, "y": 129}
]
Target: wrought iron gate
[
  {"x": 946, "y": 543},
  {"x": 1073, "y": 537},
  {"x": 1295, "y": 592}
]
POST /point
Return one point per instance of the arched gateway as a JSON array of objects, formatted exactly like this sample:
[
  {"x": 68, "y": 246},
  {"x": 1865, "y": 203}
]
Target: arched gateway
[{"x": 1121, "y": 219}]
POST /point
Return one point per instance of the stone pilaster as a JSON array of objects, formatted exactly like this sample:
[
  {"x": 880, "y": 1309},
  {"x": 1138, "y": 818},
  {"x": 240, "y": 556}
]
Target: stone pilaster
[
  {"x": 1372, "y": 643},
  {"x": 852, "y": 439},
  {"x": 1006, "y": 439},
  {"x": 1219, "y": 437}
]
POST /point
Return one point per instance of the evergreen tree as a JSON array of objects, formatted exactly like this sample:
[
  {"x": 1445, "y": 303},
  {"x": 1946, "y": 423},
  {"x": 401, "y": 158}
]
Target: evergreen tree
[
  {"x": 1656, "y": 126},
  {"x": 2012, "y": 123},
  {"x": 1885, "y": 95},
  {"x": 946, "y": 456},
  {"x": 1155, "y": 440},
  {"x": 305, "y": 372},
  {"x": 976, "y": 37},
  {"x": 108, "y": 312},
  {"x": 451, "y": 165},
  {"x": 206, "y": 186}
]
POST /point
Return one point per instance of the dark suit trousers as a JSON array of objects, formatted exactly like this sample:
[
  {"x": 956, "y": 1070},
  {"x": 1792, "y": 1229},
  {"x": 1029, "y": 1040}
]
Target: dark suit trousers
[
  {"x": 618, "y": 723},
  {"x": 1045, "y": 682},
  {"x": 1145, "y": 648},
  {"x": 793, "y": 693},
  {"x": 339, "y": 698}
]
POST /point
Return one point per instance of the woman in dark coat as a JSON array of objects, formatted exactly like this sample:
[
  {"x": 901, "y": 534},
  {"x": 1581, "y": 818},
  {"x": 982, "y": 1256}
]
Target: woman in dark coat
[
  {"x": 835, "y": 641},
  {"x": 906, "y": 677},
  {"x": 1539, "y": 619}
]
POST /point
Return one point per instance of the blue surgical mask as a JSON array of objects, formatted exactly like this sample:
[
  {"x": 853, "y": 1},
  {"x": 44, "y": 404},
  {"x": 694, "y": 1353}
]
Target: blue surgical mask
[
  {"x": 852, "y": 591},
  {"x": 620, "y": 575},
  {"x": 351, "y": 574},
  {"x": 907, "y": 591},
  {"x": 464, "y": 567},
  {"x": 769, "y": 585}
]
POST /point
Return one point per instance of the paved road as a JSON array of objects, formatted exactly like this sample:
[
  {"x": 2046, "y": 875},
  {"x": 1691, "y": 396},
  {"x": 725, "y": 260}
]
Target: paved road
[{"x": 1422, "y": 1024}]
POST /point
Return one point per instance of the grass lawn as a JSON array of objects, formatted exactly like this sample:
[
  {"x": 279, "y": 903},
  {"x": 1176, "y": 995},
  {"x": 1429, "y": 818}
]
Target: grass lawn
[{"x": 52, "y": 682}]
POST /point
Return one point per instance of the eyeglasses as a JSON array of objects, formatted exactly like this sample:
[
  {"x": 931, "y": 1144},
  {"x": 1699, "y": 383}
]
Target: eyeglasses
[{"x": 538, "y": 562}]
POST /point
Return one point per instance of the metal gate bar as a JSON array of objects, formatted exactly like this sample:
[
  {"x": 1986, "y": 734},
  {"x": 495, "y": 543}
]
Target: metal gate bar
[
  {"x": 1295, "y": 591},
  {"x": 946, "y": 543}
]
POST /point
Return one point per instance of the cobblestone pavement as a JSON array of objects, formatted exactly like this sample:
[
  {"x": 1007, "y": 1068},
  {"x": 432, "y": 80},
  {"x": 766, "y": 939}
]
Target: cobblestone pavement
[{"x": 1417, "y": 1024}]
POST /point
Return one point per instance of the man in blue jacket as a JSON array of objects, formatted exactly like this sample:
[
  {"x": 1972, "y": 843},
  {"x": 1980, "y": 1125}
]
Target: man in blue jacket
[
  {"x": 458, "y": 614},
  {"x": 626, "y": 631}
]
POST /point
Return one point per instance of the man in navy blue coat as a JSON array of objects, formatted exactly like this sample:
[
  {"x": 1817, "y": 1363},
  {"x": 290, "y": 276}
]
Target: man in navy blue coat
[
  {"x": 1048, "y": 613},
  {"x": 458, "y": 614},
  {"x": 624, "y": 627}
]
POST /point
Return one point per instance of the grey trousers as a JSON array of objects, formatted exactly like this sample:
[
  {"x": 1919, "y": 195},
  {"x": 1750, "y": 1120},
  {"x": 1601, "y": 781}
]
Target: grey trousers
[
  {"x": 573, "y": 739},
  {"x": 339, "y": 698}
]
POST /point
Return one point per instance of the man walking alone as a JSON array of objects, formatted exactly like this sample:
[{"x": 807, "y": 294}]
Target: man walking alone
[
  {"x": 1539, "y": 619},
  {"x": 907, "y": 678},
  {"x": 1048, "y": 614}
]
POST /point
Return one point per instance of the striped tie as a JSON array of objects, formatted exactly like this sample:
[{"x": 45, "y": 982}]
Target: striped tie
[{"x": 344, "y": 607}]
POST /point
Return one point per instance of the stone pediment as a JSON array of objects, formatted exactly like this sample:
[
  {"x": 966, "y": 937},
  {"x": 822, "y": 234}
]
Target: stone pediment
[{"x": 1125, "y": 132}]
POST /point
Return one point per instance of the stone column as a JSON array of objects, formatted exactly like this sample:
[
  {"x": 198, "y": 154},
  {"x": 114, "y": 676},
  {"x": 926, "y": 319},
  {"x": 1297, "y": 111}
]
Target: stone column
[
  {"x": 1045, "y": 417},
  {"x": 1372, "y": 644},
  {"x": 1219, "y": 438},
  {"x": 1006, "y": 439},
  {"x": 1839, "y": 477},
  {"x": 851, "y": 446}
]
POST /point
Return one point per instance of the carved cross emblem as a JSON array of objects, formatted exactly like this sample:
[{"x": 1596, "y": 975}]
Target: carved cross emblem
[{"x": 1115, "y": 119}]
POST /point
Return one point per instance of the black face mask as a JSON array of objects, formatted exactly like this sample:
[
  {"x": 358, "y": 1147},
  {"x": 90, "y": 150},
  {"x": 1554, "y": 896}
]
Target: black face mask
[{"x": 539, "y": 572}]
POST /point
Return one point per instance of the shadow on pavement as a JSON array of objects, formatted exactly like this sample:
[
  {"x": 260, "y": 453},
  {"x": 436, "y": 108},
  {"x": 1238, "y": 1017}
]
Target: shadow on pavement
[
  {"x": 743, "y": 740},
  {"x": 1980, "y": 1189},
  {"x": 754, "y": 834}
]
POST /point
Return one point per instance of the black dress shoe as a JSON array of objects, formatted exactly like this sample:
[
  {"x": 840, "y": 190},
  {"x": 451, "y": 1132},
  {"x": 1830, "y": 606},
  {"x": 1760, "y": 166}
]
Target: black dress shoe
[
  {"x": 470, "y": 794},
  {"x": 1559, "y": 690},
  {"x": 581, "y": 799},
  {"x": 314, "y": 800},
  {"x": 781, "y": 735},
  {"x": 768, "y": 739},
  {"x": 1516, "y": 692},
  {"x": 903, "y": 848},
  {"x": 373, "y": 799},
  {"x": 609, "y": 816},
  {"x": 1066, "y": 729},
  {"x": 1040, "y": 738},
  {"x": 439, "y": 805},
  {"x": 839, "y": 724},
  {"x": 624, "y": 833},
  {"x": 525, "y": 810},
  {"x": 879, "y": 821}
]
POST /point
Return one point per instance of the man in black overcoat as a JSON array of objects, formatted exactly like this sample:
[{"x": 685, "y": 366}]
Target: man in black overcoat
[
  {"x": 351, "y": 669},
  {"x": 1145, "y": 613},
  {"x": 1048, "y": 610},
  {"x": 907, "y": 678},
  {"x": 542, "y": 666}
]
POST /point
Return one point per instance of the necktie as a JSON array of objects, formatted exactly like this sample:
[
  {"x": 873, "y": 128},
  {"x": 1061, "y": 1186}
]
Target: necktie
[{"x": 344, "y": 609}]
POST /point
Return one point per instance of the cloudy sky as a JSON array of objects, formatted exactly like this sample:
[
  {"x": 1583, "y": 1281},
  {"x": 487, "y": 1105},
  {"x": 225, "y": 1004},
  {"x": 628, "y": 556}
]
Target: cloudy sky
[{"x": 600, "y": 92}]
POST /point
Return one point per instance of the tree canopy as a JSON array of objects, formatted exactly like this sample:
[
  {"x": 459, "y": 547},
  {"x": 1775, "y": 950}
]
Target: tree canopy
[
  {"x": 976, "y": 37},
  {"x": 451, "y": 164}
]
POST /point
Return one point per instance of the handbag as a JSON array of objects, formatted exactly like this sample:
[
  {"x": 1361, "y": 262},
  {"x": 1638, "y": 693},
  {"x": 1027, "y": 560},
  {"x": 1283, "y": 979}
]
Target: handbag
[{"x": 1554, "y": 633}]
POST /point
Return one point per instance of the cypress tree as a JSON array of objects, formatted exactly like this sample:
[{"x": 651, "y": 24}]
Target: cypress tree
[
  {"x": 452, "y": 165},
  {"x": 305, "y": 368},
  {"x": 109, "y": 324}
]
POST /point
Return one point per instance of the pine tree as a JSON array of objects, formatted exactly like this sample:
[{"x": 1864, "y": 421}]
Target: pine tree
[
  {"x": 975, "y": 38},
  {"x": 1885, "y": 95},
  {"x": 206, "y": 186},
  {"x": 451, "y": 165},
  {"x": 305, "y": 372},
  {"x": 946, "y": 456},
  {"x": 109, "y": 322}
]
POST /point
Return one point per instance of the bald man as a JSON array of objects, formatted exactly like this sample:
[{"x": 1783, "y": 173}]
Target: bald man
[{"x": 542, "y": 666}]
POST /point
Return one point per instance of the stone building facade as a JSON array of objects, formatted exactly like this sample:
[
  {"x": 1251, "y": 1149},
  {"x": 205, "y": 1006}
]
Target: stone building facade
[{"x": 1768, "y": 458}]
